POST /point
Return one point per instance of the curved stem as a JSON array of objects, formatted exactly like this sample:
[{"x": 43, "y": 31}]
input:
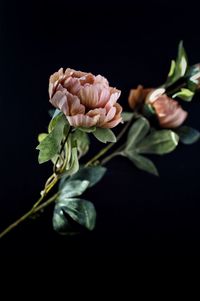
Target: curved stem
[
  {"x": 53, "y": 179},
  {"x": 116, "y": 153},
  {"x": 27, "y": 215},
  {"x": 50, "y": 183},
  {"x": 100, "y": 154}
]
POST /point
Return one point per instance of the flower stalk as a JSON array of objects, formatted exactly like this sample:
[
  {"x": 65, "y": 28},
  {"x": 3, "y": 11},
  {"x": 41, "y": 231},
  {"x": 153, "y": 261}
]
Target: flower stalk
[{"x": 87, "y": 104}]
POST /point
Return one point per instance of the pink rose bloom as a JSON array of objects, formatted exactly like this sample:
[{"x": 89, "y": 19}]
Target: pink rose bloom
[
  {"x": 170, "y": 114},
  {"x": 85, "y": 99}
]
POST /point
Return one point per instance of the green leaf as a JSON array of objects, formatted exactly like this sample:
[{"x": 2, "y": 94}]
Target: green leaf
[
  {"x": 91, "y": 174},
  {"x": 181, "y": 61},
  {"x": 74, "y": 163},
  {"x": 193, "y": 76},
  {"x": 56, "y": 119},
  {"x": 192, "y": 85},
  {"x": 126, "y": 116},
  {"x": 42, "y": 136},
  {"x": 137, "y": 132},
  {"x": 188, "y": 135},
  {"x": 141, "y": 162},
  {"x": 73, "y": 188},
  {"x": 81, "y": 211},
  {"x": 82, "y": 141},
  {"x": 184, "y": 94},
  {"x": 104, "y": 135},
  {"x": 158, "y": 142},
  {"x": 178, "y": 69},
  {"x": 87, "y": 130},
  {"x": 172, "y": 69},
  {"x": 50, "y": 146}
]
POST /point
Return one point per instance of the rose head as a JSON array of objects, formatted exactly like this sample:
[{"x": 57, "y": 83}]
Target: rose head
[
  {"x": 137, "y": 96},
  {"x": 169, "y": 113},
  {"x": 85, "y": 99}
]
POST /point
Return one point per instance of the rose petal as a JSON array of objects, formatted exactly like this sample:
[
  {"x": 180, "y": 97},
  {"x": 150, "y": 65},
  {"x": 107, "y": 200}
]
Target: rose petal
[
  {"x": 87, "y": 79},
  {"x": 89, "y": 96},
  {"x": 113, "y": 98},
  {"x": 111, "y": 114},
  {"x": 72, "y": 85},
  {"x": 175, "y": 120},
  {"x": 170, "y": 114},
  {"x": 59, "y": 100},
  {"x": 101, "y": 80},
  {"x": 137, "y": 96},
  {"x": 104, "y": 95},
  {"x": 53, "y": 81},
  {"x": 82, "y": 120},
  {"x": 102, "y": 115},
  {"x": 117, "y": 118},
  {"x": 112, "y": 123},
  {"x": 75, "y": 107}
]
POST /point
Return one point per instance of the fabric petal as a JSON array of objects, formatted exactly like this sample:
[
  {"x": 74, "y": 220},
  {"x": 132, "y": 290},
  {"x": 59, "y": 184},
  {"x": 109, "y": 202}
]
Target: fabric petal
[
  {"x": 89, "y": 96},
  {"x": 75, "y": 107},
  {"x": 102, "y": 115},
  {"x": 54, "y": 80},
  {"x": 104, "y": 96},
  {"x": 101, "y": 80},
  {"x": 117, "y": 118},
  {"x": 72, "y": 85},
  {"x": 82, "y": 120},
  {"x": 113, "y": 98},
  {"x": 59, "y": 100}
]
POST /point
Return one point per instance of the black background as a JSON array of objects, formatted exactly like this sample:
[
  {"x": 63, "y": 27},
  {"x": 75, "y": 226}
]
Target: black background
[{"x": 130, "y": 43}]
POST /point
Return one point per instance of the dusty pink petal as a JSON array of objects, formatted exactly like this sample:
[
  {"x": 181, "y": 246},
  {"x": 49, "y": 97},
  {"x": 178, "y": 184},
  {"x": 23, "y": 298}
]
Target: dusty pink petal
[
  {"x": 113, "y": 99},
  {"x": 89, "y": 96},
  {"x": 170, "y": 114},
  {"x": 102, "y": 115},
  {"x": 162, "y": 105},
  {"x": 75, "y": 107},
  {"x": 82, "y": 120},
  {"x": 99, "y": 111},
  {"x": 53, "y": 81},
  {"x": 101, "y": 80},
  {"x": 72, "y": 84},
  {"x": 60, "y": 88},
  {"x": 69, "y": 72},
  {"x": 174, "y": 120},
  {"x": 78, "y": 74},
  {"x": 117, "y": 118},
  {"x": 112, "y": 123},
  {"x": 104, "y": 96},
  {"x": 111, "y": 114},
  {"x": 59, "y": 100},
  {"x": 87, "y": 79}
]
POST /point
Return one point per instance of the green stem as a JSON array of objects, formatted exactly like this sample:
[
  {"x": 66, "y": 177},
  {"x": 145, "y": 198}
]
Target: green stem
[
  {"x": 53, "y": 179},
  {"x": 116, "y": 153},
  {"x": 27, "y": 215},
  {"x": 100, "y": 154},
  {"x": 169, "y": 93},
  {"x": 50, "y": 183}
]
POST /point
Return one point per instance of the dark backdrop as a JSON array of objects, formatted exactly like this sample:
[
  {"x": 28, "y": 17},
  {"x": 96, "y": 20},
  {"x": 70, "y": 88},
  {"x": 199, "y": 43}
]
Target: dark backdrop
[{"x": 129, "y": 43}]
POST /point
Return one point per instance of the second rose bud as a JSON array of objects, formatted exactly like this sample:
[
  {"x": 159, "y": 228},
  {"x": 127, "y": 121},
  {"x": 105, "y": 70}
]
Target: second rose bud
[{"x": 168, "y": 111}]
